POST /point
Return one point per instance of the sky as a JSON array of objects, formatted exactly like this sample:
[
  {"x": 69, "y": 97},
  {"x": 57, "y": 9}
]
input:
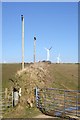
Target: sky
[
  {"x": 53, "y": 23},
  {"x": 0, "y": 31}
]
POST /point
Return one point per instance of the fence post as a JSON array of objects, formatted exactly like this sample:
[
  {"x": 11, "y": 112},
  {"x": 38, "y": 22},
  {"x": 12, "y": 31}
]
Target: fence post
[
  {"x": 6, "y": 97},
  {"x": 37, "y": 96},
  {"x": 12, "y": 98},
  {"x": 0, "y": 104},
  {"x": 45, "y": 98},
  {"x": 77, "y": 104},
  {"x": 6, "y": 92},
  {"x": 64, "y": 101}
]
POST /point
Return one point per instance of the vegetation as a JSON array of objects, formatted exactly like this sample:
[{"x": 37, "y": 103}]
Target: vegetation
[{"x": 63, "y": 76}]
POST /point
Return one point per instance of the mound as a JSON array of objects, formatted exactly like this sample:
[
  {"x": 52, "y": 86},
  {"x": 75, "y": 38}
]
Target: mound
[{"x": 35, "y": 75}]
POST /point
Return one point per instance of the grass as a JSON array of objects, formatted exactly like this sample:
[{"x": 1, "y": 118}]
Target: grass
[
  {"x": 64, "y": 76},
  {"x": 26, "y": 113},
  {"x": 8, "y": 72}
]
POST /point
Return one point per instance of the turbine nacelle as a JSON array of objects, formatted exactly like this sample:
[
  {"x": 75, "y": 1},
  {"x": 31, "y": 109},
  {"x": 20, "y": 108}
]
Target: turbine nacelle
[{"x": 48, "y": 48}]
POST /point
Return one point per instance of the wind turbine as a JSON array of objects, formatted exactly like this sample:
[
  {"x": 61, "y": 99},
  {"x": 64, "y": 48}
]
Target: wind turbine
[
  {"x": 48, "y": 53},
  {"x": 58, "y": 59}
]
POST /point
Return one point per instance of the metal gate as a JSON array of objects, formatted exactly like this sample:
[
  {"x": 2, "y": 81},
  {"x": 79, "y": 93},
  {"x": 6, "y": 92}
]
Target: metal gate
[{"x": 58, "y": 102}]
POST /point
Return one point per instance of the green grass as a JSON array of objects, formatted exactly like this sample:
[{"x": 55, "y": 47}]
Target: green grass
[
  {"x": 64, "y": 76},
  {"x": 8, "y": 72},
  {"x": 26, "y": 113}
]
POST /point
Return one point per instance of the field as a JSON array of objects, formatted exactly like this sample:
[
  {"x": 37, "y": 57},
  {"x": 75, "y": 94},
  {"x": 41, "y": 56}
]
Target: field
[
  {"x": 64, "y": 76},
  {"x": 8, "y": 72}
]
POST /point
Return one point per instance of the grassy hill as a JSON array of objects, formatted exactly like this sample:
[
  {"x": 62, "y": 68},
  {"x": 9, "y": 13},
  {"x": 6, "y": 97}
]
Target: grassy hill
[
  {"x": 64, "y": 76},
  {"x": 8, "y": 72}
]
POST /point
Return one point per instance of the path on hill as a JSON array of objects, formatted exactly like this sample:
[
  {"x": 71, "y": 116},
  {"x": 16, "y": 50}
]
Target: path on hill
[{"x": 44, "y": 116}]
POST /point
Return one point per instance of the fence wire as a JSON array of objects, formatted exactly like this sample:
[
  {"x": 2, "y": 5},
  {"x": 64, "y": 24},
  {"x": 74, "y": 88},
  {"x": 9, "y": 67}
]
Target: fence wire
[{"x": 5, "y": 102}]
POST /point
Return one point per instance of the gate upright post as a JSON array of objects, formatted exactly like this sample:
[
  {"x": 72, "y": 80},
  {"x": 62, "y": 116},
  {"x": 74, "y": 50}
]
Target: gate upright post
[
  {"x": 45, "y": 98},
  {"x": 77, "y": 104},
  {"x": 37, "y": 96},
  {"x": 64, "y": 101},
  {"x": 12, "y": 98}
]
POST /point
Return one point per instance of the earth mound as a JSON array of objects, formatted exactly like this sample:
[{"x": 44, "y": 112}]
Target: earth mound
[{"x": 34, "y": 75}]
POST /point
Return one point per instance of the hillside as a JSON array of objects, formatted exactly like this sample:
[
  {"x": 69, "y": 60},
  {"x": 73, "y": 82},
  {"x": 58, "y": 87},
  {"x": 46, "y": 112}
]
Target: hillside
[
  {"x": 40, "y": 75},
  {"x": 62, "y": 75},
  {"x": 65, "y": 76}
]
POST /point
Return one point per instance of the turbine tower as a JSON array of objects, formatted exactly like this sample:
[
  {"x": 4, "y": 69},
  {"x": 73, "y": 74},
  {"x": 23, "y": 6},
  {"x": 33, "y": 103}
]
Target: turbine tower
[
  {"x": 48, "y": 53},
  {"x": 58, "y": 59}
]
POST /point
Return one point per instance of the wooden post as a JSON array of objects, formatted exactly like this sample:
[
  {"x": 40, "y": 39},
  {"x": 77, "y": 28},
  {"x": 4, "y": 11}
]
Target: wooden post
[
  {"x": 34, "y": 49},
  {"x": 6, "y": 93},
  {"x": 22, "y": 18},
  {"x": 12, "y": 98},
  {"x": 6, "y": 97}
]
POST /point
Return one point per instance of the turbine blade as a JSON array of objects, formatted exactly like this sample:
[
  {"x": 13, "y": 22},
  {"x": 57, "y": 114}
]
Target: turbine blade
[
  {"x": 50, "y": 48},
  {"x": 46, "y": 49}
]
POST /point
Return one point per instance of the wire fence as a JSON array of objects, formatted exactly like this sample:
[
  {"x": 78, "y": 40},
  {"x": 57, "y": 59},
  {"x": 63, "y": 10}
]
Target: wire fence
[
  {"x": 6, "y": 99},
  {"x": 58, "y": 102}
]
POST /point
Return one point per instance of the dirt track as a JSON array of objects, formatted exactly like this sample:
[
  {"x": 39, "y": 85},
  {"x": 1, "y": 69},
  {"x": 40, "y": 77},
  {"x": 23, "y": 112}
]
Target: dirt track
[{"x": 44, "y": 116}]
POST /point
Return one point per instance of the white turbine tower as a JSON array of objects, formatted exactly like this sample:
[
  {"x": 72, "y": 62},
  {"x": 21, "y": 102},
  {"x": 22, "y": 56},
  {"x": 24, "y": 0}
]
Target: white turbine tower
[
  {"x": 58, "y": 59},
  {"x": 48, "y": 53}
]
